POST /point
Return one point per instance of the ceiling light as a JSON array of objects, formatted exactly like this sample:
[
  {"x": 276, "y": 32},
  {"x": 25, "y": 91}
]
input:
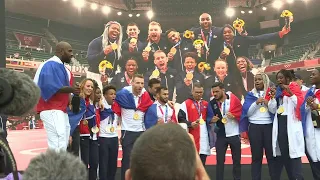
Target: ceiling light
[
  {"x": 230, "y": 12},
  {"x": 150, "y": 14},
  {"x": 106, "y": 9}
]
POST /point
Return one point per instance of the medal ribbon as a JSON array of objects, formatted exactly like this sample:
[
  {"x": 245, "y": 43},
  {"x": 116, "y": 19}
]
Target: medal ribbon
[
  {"x": 199, "y": 109},
  {"x": 166, "y": 115},
  {"x": 178, "y": 43},
  {"x": 127, "y": 78},
  {"x": 206, "y": 43},
  {"x": 139, "y": 102}
]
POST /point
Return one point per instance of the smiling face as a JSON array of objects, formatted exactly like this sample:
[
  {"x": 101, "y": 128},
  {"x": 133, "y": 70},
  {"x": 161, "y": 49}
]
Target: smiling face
[
  {"x": 131, "y": 67},
  {"x": 190, "y": 63},
  {"x": 282, "y": 80},
  {"x": 87, "y": 88},
  {"x": 133, "y": 31},
  {"x": 228, "y": 34},
  {"x": 114, "y": 31},
  {"x": 160, "y": 60},
  {"x": 315, "y": 77},
  {"x": 242, "y": 64},
  {"x": 205, "y": 21},
  {"x": 174, "y": 37},
  {"x": 154, "y": 32},
  {"x": 221, "y": 68},
  {"x": 97, "y": 95}
]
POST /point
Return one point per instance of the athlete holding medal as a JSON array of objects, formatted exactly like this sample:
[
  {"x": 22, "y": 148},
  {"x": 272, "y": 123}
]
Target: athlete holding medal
[
  {"x": 224, "y": 112},
  {"x": 257, "y": 121},
  {"x": 131, "y": 104}
]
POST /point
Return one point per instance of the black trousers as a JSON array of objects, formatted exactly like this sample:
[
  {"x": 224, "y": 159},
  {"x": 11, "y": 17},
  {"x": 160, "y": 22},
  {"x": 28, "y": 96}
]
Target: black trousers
[
  {"x": 90, "y": 155},
  {"x": 75, "y": 145},
  {"x": 128, "y": 138},
  {"x": 108, "y": 158},
  {"x": 222, "y": 144},
  {"x": 260, "y": 136},
  {"x": 203, "y": 158},
  {"x": 293, "y": 166},
  {"x": 315, "y": 167}
]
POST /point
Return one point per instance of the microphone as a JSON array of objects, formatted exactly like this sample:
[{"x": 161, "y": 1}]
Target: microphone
[{"x": 18, "y": 93}]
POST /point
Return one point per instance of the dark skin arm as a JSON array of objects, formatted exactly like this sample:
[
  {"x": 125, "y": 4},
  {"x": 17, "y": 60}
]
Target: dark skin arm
[{"x": 66, "y": 89}]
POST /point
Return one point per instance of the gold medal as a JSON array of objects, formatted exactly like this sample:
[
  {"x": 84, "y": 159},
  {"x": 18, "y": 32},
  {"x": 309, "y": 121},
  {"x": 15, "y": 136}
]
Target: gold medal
[
  {"x": 226, "y": 50},
  {"x": 280, "y": 110},
  {"x": 173, "y": 50},
  {"x": 201, "y": 122},
  {"x": 224, "y": 120},
  {"x": 148, "y": 49},
  {"x": 136, "y": 116},
  {"x": 263, "y": 109},
  {"x": 114, "y": 46},
  {"x": 189, "y": 76},
  {"x": 112, "y": 129},
  {"x": 85, "y": 122},
  {"x": 95, "y": 129},
  {"x": 133, "y": 41},
  {"x": 155, "y": 73}
]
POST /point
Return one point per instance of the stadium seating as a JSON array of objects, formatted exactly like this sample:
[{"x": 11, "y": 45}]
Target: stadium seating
[{"x": 297, "y": 47}]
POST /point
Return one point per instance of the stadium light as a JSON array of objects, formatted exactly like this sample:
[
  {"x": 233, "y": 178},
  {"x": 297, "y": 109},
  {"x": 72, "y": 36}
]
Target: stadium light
[
  {"x": 242, "y": 12},
  {"x": 230, "y": 12},
  {"x": 290, "y": 1},
  {"x": 79, "y": 3},
  {"x": 94, "y": 6},
  {"x": 277, "y": 4},
  {"x": 64, "y": 0},
  {"x": 138, "y": 15},
  {"x": 264, "y": 8},
  {"x": 106, "y": 9},
  {"x": 150, "y": 14},
  {"x": 119, "y": 13},
  {"x": 130, "y": 15},
  {"x": 250, "y": 11}
]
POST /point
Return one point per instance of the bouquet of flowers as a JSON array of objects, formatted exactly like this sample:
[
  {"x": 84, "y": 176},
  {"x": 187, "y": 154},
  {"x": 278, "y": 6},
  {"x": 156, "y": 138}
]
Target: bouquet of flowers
[
  {"x": 188, "y": 34},
  {"x": 198, "y": 44},
  {"x": 238, "y": 24},
  {"x": 103, "y": 66},
  {"x": 288, "y": 17}
]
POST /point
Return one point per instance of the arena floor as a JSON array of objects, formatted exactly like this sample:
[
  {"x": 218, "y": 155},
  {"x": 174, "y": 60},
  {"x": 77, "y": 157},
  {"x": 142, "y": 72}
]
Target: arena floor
[{"x": 26, "y": 144}]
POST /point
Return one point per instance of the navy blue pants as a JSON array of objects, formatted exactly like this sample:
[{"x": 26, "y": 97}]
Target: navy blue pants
[
  {"x": 293, "y": 166},
  {"x": 90, "y": 155},
  {"x": 315, "y": 167},
  {"x": 128, "y": 138},
  {"x": 222, "y": 144},
  {"x": 260, "y": 136},
  {"x": 75, "y": 145},
  {"x": 108, "y": 157},
  {"x": 203, "y": 158}
]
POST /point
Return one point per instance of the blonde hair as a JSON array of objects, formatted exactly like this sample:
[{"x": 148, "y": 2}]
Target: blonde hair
[
  {"x": 82, "y": 84},
  {"x": 105, "y": 37},
  {"x": 154, "y": 23},
  {"x": 266, "y": 82}
]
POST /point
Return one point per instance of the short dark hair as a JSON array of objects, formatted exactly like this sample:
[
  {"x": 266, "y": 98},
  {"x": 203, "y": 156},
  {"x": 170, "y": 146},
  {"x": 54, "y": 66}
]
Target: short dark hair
[
  {"x": 161, "y": 88},
  {"x": 287, "y": 74},
  {"x": 193, "y": 55},
  {"x": 153, "y": 81},
  {"x": 197, "y": 85},
  {"x": 107, "y": 88},
  {"x": 170, "y": 143},
  {"x": 218, "y": 84},
  {"x": 132, "y": 24}
]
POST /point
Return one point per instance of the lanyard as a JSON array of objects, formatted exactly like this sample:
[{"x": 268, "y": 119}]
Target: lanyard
[
  {"x": 199, "y": 109},
  {"x": 127, "y": 78},
  {"x": 178, "y": 43},
  {"x": 139, "y": 102},
  {"x": 166, "y": 115},
  {"x": 206, "y": 43},
  {"x": 223, "y": 108}
]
